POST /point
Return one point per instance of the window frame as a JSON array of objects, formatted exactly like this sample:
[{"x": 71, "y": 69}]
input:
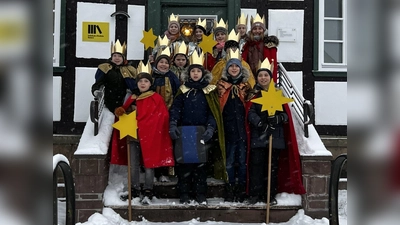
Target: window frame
[
  {"x": 320, "y": 66},
  {"x": 58, "y": 35}
]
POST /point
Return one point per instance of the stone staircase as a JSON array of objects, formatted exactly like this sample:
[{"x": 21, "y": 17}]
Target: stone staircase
[{"x": 166, "y": 208}]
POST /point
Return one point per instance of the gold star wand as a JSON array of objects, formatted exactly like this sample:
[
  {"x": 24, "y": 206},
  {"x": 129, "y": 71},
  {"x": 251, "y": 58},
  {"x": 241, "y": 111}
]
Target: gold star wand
[
  {"x": 127, "y": 125},
  {"x": 271, "y": 100},
  {"x": 148, "y": 39}
]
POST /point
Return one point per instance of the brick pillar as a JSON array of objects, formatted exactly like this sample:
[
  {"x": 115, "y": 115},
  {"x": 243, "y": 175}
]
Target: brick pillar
[
  {"x": 316, "y": 175},
  {"x": 91, "y": 179}
]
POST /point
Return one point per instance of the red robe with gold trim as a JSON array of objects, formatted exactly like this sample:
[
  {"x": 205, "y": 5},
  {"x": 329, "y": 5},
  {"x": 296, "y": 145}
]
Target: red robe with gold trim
[{"x": 153, "y": 131}]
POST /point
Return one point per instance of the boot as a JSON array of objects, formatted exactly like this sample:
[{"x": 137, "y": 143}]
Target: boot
[
  {"x": 201, "y": 199},
  {"x": 240, "y": 193},
  {"x": 184, "y": 198},
  {"x": 228, "y": 193}
]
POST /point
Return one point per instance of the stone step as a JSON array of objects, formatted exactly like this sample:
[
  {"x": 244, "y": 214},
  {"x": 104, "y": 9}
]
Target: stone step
[{"x": 215, "y": 210}]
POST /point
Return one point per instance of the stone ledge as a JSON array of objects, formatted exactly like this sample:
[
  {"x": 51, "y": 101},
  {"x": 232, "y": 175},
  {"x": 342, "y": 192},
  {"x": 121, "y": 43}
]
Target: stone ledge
[{"x": 66, "y": 139}]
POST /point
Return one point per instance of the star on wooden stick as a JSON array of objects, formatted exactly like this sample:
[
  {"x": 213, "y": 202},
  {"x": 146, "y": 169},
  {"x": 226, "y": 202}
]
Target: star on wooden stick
[
  {"x": 148, "y": 39},
  {"x": 207, "y": 43},
  {"x": 272, "y": 100},
  {"x": 127, "y": 125}
]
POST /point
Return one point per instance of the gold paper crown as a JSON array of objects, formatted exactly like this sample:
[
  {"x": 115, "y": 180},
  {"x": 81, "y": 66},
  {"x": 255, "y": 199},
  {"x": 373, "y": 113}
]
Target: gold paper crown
[
  {"x": 233, "y": 36},
  {"x": 118, "y": 48},
  {"x": 166, "y": 52},
  {"x": 180, "y": 48},
  {"x": 233, "y": 54},
  {"x": 173, "y": 18},
  {"x": 202, "y": 23},
  {"x": 142, "y": 68},
  {"x": 162, "y": 41},
  {"x": 266, "y": 65},
  {"x": 257, "y": 19},
  {"x": 242, "y": 19},
  {"x": 222, "y": 24},
  {"x": 196, "y": 58}
]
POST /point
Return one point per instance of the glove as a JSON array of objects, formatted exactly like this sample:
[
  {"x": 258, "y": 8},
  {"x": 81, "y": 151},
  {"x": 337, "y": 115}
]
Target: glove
[
  {"x": 173, "y": 131},
  {"x": 207, "y": 135},
  {"x": 119, "y": 111},
  {"x": 274, "y": 120},
  {"x": 267, "y": 131},
  {"x": 262, "y": 126}
]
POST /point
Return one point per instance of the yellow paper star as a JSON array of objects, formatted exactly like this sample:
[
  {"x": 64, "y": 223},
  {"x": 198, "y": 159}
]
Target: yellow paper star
[
  {"x": 207, "y": 43},
  {"x": 272, "y": 100},
  {"x": 127, "y": 125},
  {"x": 148, "y": 39}
]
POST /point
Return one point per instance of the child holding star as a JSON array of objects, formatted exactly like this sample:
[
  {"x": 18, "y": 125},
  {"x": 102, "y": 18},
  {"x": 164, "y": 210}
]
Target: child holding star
[
  {"x": 262, "y": 126},
  {"x": 153, "y": 147}
]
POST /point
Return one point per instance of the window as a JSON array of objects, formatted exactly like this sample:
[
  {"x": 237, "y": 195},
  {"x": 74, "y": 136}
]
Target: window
[
  {"x": 332, "y": 43},
  {"x": 58, "y": 30}
]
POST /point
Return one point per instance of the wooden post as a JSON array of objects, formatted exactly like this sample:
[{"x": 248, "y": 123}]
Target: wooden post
[
  {"x": 129, "y": 183},
  {"x": 269, "y": 177}
]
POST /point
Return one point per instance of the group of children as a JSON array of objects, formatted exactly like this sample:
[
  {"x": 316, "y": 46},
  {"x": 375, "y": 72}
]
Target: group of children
[{"x": 176, "y": 90}]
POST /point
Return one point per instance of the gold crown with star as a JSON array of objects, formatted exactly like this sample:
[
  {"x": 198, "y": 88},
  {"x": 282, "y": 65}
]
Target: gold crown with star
[
  {"x": 165, "y": 51},
  {"x": 242, "y": 19},
  {"x": 180, "y": 48},
  {"x": 233, "y": 36},
  {"x": 233, "y": 54},
  {"x": 266, "y": 64},
  {"x": 118, "y": 48},
  {"x": 196, "y": 58},
  {"x": 173, "y": 18},
  {"x": 221, "y": 24},
  {"x": 202, "y": 23},
  {"x": 257, "y": 19},
  {"x": 142, "y": 68}
]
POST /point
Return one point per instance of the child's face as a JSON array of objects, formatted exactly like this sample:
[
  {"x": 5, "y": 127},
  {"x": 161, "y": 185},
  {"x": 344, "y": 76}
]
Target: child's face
[
  {"x": 263, "y": 78},
  {"x": 143, "y": 84},
  {"x": 199, "y": 34},
  {"x": 257, "y": 31},
  {"x": 220, "y": 37},
  {"x": 163, "y": 65},
  {"x": 234, "y": 70},
  {"x": 173, "y": 29},
  {"x": 241, "y": 29},
  {"x": 196, "y": 74},
  {"x": 180, "y": 60},
  {"x": 116, "y": 58}
]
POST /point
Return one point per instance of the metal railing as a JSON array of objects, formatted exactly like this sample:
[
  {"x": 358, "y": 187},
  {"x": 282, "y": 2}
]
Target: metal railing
[
  {"x": 303, "y": 109},
  {"x": 69, "y": 193},
  {"x": 336, "y": 171},
  {"x": 96, "y": 107}
]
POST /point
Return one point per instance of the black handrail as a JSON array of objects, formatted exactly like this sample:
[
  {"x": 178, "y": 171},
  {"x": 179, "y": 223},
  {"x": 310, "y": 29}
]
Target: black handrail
[
  {"x": 70, "y": 194},
  {"x": 96, "y": 108},
  {"x": 336, "y": 170}
]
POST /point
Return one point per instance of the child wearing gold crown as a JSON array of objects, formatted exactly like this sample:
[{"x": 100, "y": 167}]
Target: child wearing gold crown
[
  {"x": 180, "y": 60},
  {"x": 220, "y": 35},
  {"x": 258, "y": 46},
  {"x": 199, "y": 31},
  {"x": 152, "y": 121},
  {"x": 261, "y": 127},
  {"x": 241, "y": 28},
  {"x": 233, "y": 89},
  {"x": 196, "y": 104}
]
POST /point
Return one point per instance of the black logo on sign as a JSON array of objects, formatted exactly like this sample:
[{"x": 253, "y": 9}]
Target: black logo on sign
[{"x": 93, "y": 28}]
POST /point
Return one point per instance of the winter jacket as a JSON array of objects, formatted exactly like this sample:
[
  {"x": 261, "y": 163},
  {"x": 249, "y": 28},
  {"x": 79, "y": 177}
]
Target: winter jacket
[
  {"x": 116, "y": 81},
  {"x": 255, "y": 116},
  {"x": 166, "y": 84}
]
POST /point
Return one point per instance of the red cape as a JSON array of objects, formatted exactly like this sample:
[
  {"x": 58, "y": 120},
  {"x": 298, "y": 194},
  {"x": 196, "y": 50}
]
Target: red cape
[
  {"x": 153, "y": 132},
  {"x": 269, "y": 53},
  {"x": 289, "y": 175}
]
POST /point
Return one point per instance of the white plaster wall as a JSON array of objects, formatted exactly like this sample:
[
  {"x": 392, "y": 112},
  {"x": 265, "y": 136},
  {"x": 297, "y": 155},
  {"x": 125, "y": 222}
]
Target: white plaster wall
[
  {"x": 297, "y": 79},
  {"x": 250, "y": 13},
  {"x": 330, "y": 103},
  {"x": 57, "y": 98},
  {"x": 84, "y": 79},
  {"x": 93, "y": 12},
  {"x": 288, "y": 51},
  {"x": 135, "y": 48}
]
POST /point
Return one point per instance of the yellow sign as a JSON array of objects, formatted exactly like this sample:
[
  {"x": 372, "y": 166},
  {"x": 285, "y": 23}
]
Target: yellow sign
[{"x": 95, "y": 31}]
